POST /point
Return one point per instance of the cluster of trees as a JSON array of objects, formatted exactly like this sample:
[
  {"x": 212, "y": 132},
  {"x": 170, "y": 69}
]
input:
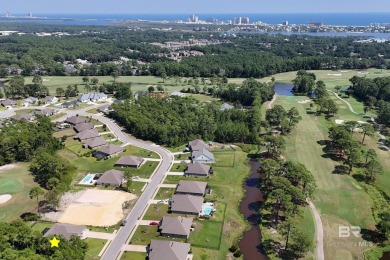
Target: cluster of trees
[
  {"x": 174, "y": 121},
  {"x": 323, "y": 101},
  {"x": 285, "y": 187},
  {"x": 350, "y": 151},
  {"x": 16, "y": 87},
  {"x": 373, "y": 92},
  {"x": 304, "y": 83},
  {"x": 280, "y": 118},
  {"x": 21, "y": 141},
  {"x": 19, "y": 241}
]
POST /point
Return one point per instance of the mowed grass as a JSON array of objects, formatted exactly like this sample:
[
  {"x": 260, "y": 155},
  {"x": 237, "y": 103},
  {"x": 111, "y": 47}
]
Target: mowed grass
[
  {"x": 40, "y": 226},
  {"x": 17, "y": 182},
  {"x": 206, "y": 234},
  {"x": 156, "y": 212},
  {"x": 164, "y": 193},
  {"x": 134, "y": 256},
  {"x": 339, "y": 198},
  {"x": 94, "y": 247},
  {"x": 144, "y": 234}
]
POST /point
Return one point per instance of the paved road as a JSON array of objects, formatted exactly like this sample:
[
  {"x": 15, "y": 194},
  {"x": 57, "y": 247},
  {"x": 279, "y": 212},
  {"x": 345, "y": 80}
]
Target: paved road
[
  {"x": 319, "y": 232},
  {"x": 346, "y": 102},
  {"x": 167, "y": 158}
]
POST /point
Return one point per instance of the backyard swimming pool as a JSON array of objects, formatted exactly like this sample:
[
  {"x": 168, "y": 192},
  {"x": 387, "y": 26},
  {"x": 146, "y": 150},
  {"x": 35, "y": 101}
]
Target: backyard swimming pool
[
  {"x": 88, "y": 179},
  {"x": 207, "y": 209}
]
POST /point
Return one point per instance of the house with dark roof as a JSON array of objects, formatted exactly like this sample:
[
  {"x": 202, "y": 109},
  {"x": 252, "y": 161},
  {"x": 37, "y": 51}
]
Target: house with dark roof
[
  {"x": 109, "y": 151},
  {"x": 30, "y": 101},
  {"x": 25, "y": 117},
  {"x": 8, "y": 103},
  {"x": 111, "y": 178},
  {"x": 83, "y": 126},
  {"x": 197, "y": 170},
  {"x": 168, "y": 250},
  {"x": 51, "y": 100},
  {"x": 46, "y": 112},
  {"x": 87, "y": 134},
  {"x": 226, "y": 106},
  {"x": 197, "y": 145},
  {"x": 66, "y": 230},
  {"x": 94, "y": 142},
  {"x": 105, "y": 108},
  {"x": 196, "y": 188},
  {"x": 70, "y": 104},
  {"x": 92, "y": 97},
  {"x": 130, "y": 161},
  {"x": 175, "y": 227},
  {"x": 74, "y": 120},
  {"x": 186, "y": 204},
  {"x": 202, "y": 156}
]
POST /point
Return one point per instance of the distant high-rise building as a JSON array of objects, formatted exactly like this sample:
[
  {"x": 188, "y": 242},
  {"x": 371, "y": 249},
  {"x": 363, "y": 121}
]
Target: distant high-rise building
[
  {"x": 241, "y": 20},
  {"x": 29, "y": 15},
  {"x": 316, "y": 24},
  {"x": 212, "y": 20},
  {"x": 8, "y": 14},
  {"x": 285, "y": 23},
  {"x": 194, "y": 19}
]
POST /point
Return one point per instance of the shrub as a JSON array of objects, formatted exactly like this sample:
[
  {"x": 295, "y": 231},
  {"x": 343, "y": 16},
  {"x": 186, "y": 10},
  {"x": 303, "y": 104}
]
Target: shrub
[
  {"x": 237, "y": 253},
  {"x": 233, "y": 248}
]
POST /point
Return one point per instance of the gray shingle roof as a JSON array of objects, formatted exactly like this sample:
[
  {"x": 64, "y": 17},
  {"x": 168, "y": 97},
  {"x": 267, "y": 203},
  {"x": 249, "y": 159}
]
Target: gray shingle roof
[
  {"x": 104, "y": 108},
  {"x": 187, "y": 203},
  {"x": 193, "y": 187},
  {"x": 74, "y": 120},
  {"x": 197, "y": 145},
  {"x": 168, "y": 250},
  {"x": 92, "y": 96},
  {"x": 67, "y": 230},
  {"x": 197, "y": 168},
  {"x": 31, "y": 100},
  {"x": 26, "y": 117},
  {"x": 204, "y": 152},
  {"x": 111, "y": 149},
  {"x": 176, "y": 226},
  {"x": 49, "y": 99},
  {"x": 46, "y": 112},
  {"x": 112, "y": 177},
  {"x": 87, "y": 134},
  {"x": 226, "y": 106},
  {"x": 95, "y": 142},
  {"x": 130, "y": 161},
  {"x": 83, "y": 126},
  {"x": 8, "y": 102}
]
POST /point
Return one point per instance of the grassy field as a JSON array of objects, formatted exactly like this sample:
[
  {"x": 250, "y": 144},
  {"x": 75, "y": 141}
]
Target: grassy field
[
  {"x": 339, "y": 198},
  {"x": 40, "y": 226},
  {"x": 178, "y": 167},
  {"x": 134, "y": 256},
  {"x": 144, "y": 234},
  {"x": 156, "y": 212},
  {"x": 17, "y": 182},
  {"x": 94, "y": 247},
  {"x": 164, "y": 193}
]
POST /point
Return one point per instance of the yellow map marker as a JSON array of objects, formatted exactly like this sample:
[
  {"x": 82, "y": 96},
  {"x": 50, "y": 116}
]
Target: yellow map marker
[{"x": 54, "y": 242}]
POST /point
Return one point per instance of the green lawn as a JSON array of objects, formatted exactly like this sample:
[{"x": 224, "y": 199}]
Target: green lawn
[
  {"x": 134, "y": 256},
  {"x": 178, "y": 167},
  {"x": 93, "y": 111},
  {"x": 136, "y": 187},
  {"x": 76, "y": 146},
  {"x": 40, "y": 226},
  {"x": 67, "y": 132},
  {"x": 207, "y": 234},
  {"x": 156, "y": 212},
  {"x": 339, "y": 198},
  {"x": 164, "y": 193},
  {"x": 25, "y": 111},
  {"x": 94, "y": 247},
  {"x": 203, "y": 98},
  {"x": 144, "y": 234},
  {"x": 56, "y": 116},
  {"x": 17, "y": 182}
]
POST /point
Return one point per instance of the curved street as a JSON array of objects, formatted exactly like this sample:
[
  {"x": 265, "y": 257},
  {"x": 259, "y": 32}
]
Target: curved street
[{"x": 121, "y": 237}]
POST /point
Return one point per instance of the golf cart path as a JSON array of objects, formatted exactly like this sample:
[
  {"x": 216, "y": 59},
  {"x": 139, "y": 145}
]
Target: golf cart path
[
  {"x": 346, "y": 102},
  {"x": 272, "y": 101},
  {"x": 319, "y": 232}
]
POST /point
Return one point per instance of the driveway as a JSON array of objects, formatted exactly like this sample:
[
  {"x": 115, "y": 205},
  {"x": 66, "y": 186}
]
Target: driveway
[
  {"x": 99, "y": 235},
  {"x": 134, "y": 248}
]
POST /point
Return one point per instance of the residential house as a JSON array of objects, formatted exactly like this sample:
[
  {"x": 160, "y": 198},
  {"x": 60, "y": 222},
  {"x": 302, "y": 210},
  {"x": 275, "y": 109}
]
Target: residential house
[
  {"x": 197, "y": 145},
  {"x": 70, "y": 104},
  {"x": 168, "y": 250},
  {"x": 196, "y": 188},
  {"x": 104, "y": 109},
  {"x": 178, "y": 227},
  {"x": 47, "y": 112},
  {"x": 30, "y": 101},
  {"x": 197, "y": 170},
  {"x": 94, "y": 142},
  {"x": 66, "y": 230},
  {"x": 51, "y": 100},
  {"x": 117, "y": 101},
  {"x": 75, "y": 120},
  {"x": 130, "y": 161},
  {"x": 109, "y": 151},
  {"x": 177, "y": 94},
  {"x": 87, "y": 134},
  {"x": 25, "y": 117},
  {"x": 202, "y": 156},
  {"x": 226, "y": 106},
  {"x": 111, "y": 178},
  {"x": 8, "y": 103},
  {"x": 92, "y": 97},
  {"x": 186, "y": 204},
  {"x": 83, "y": 126}
]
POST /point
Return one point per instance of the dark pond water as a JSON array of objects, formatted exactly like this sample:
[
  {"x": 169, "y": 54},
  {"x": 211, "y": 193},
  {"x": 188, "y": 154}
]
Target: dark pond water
[
  {"x": 283, "y": 89},
  {"x": 250, "y": 244},
  {"x": 386, "y": 255}
]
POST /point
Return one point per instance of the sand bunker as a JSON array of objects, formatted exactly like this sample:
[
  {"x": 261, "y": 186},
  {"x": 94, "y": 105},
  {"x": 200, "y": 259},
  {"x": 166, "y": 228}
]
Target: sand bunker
[
  {"x": 304, "y": 101},
  {"x": 339, "y": 121},
  {"x": 96, "y": 208},
  {"x": 4, "y": 198},
  {"x": 337, "y": 75},
  {"x": 8, "y": 167}
]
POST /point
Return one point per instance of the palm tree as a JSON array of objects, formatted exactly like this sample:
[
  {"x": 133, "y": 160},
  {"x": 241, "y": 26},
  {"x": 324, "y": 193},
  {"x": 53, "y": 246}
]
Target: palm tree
[{"x": 35, "y": 192}]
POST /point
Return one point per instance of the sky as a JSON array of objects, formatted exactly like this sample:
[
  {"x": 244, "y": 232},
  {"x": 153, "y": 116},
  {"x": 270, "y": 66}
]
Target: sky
[{"x": 192, "y": 6}]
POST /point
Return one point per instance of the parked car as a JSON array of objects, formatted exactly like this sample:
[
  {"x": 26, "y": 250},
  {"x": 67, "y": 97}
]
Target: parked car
[
  {"x": 123, "y": 222},
  {"x": 153, "y": 223}
]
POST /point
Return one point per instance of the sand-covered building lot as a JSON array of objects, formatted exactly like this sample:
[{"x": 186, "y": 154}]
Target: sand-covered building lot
[{"x": 93, "y": 207}]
